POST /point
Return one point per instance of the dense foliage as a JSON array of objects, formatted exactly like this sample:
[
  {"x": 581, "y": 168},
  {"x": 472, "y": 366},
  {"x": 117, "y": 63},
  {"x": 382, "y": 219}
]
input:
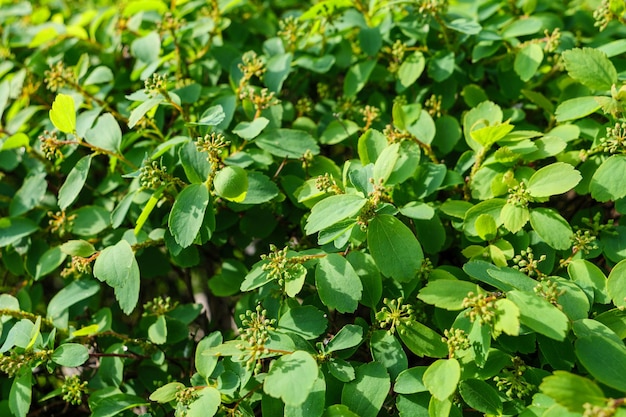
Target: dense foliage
[{"x": 347, "y": 208}]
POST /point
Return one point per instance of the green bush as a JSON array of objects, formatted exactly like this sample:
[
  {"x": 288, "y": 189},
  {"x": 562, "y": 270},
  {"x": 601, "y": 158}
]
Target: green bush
[{"x": 347, "y": 208}]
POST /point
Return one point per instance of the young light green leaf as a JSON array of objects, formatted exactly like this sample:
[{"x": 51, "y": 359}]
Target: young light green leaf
[
  {"x": 250, "y": 130},
  {"x": 442, "y": 377},
  {"x": 207, "y": 403},
  {"x": 488, "y": 135},
  {"x": 366, "y": 394},
  {"x": 166, "y": 393},
  {"x": 552, "y": 228},
  {"x": 187, "y": 215},
  {"x": 70, "y": 354},
  {"x": 116, "y": 265},
  {"x": 554, "y": 179},
  {"x": 447, "y": 293},
  {"x": 572, "y": 391},
  {"x": 291, "y": 377},
  {"x": 607, "y": 182},
  {"x": 74, "y": 182},
  {"x": 394, "y": 247},
  {"x": 63, "y": 113},
  {"x": 590, "y": 67},
  {"x": 332, "y": 210},
  {"x": 486, "y": 226},
  {"x": 338, "y": 285},
  {"x": 514, "y": 216}
]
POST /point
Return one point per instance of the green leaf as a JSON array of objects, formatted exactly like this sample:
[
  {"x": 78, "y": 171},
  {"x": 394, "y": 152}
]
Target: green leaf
[
  {"x": 590, "y": 67},
  {"x": 366, "y": 394},
  {"x": 507, "y": 318},
  {"x": 63, "y": 113},
  {"x": 616, "y": 284},
  {"x": 140, "y": 111},
  {"x": 337, "y": 131},
  {"x": 605, "y": 359},
  {"x": 106, "y": 134},
  {"x": 539, "y": 315},
  {"x": 576, "y": 108},
  {"x": 514, "y": 217},
  {"x": 552, "y": 228},
  {"x": 157, "y": 332},
  {"x": 14, "y": 229},
  {"x": 278, "y": 68},
  {"x": 572, "y": 391},
  {"x": 314, "y": 404},
  {"x": 187, "y": 215},
  {"x": 116, "y": 265},
  {"x": 205, "y": 364},
  {"x": 527, "y": 60},
  {"x": 385, "y": 162},
  {"x": 484, "y": 114},
  {"x": 79, "y": 247},
  {"x": 70, "y": 354},
  {"x": 486, "y": 226},
  {"x": 306, "y": 321},
  {"x": 74, "y": 182},
  {"x": 442, "y": 377},
  {"x": 394, "y": 247},
  {"x": 607, "y": 182},
  {"x": 73, "y": 293},
  {"x": 447, "y": 293},
  {"x": 332, "y": 210},
  {"x": 250, "y": 130},
  {"x": 338, "y": 285},
  {"x": 207, "y": 403},
  {"x": 441, "y": 65},
  {"x": 21, "y": 393},
  {"x": 422, "y": 340},
  {"x": 115, "y": 404},
  {"x": 387, "y": 350},
  {"x": 368, "y": 272},
  {"x": 166, "y": 393},
  {"x": 553, "y": 179},
  {"x": 29, "y": 195},
  {"x": 338, "y": 410},
  {"x": 410, "y": 70},
  {"x": 291, "y": 377},
  {"x": 410, "y": 381},
  {"x": 287, "y": 143},
  {"x": 341, "y": 369},
  {"x": 480, "y": 396},
  {"x": 591, "y": 279},
  {"x": 370, "y": 145},
  {"x": 349, "y": 336},
  {"x": 357, "y": 77}
]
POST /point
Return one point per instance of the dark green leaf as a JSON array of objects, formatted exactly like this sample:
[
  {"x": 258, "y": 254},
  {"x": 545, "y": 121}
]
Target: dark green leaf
[
  {"x": 394, "y": 247},
  {"x": 605, "y": 359},
  {"x": 70, "y": 354},
  {"x": 552, "y": 228},
  {"x": 117, "y": 266},
  {"x": 332, "y": 210},
  {"x": 366, "y": 394},
  {"x": 306, "y": 321},
  {"x": 74, "y": 182},
  {"x": 480, "y": 396},
  {"x": 187, "y": 215}
]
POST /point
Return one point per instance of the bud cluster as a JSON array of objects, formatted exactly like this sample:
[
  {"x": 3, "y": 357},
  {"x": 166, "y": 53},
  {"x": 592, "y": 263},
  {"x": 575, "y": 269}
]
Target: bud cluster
[
  {"x": 254, "y": 330},
  {"x": 456, "y": 339},
  {"x": 525, "y": 262},
  {"x": 512, "y": 380},
  {"x": 394, "y": 313},
  {"x": 73, "y": 390},
  {"x": 58, "y": 76},
  {"x": 482, "y": 307},
  {"x": 159, "y": 306}
]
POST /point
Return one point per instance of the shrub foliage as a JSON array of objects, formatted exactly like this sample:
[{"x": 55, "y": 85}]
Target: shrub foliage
[{"x": 344, "y": 208}]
